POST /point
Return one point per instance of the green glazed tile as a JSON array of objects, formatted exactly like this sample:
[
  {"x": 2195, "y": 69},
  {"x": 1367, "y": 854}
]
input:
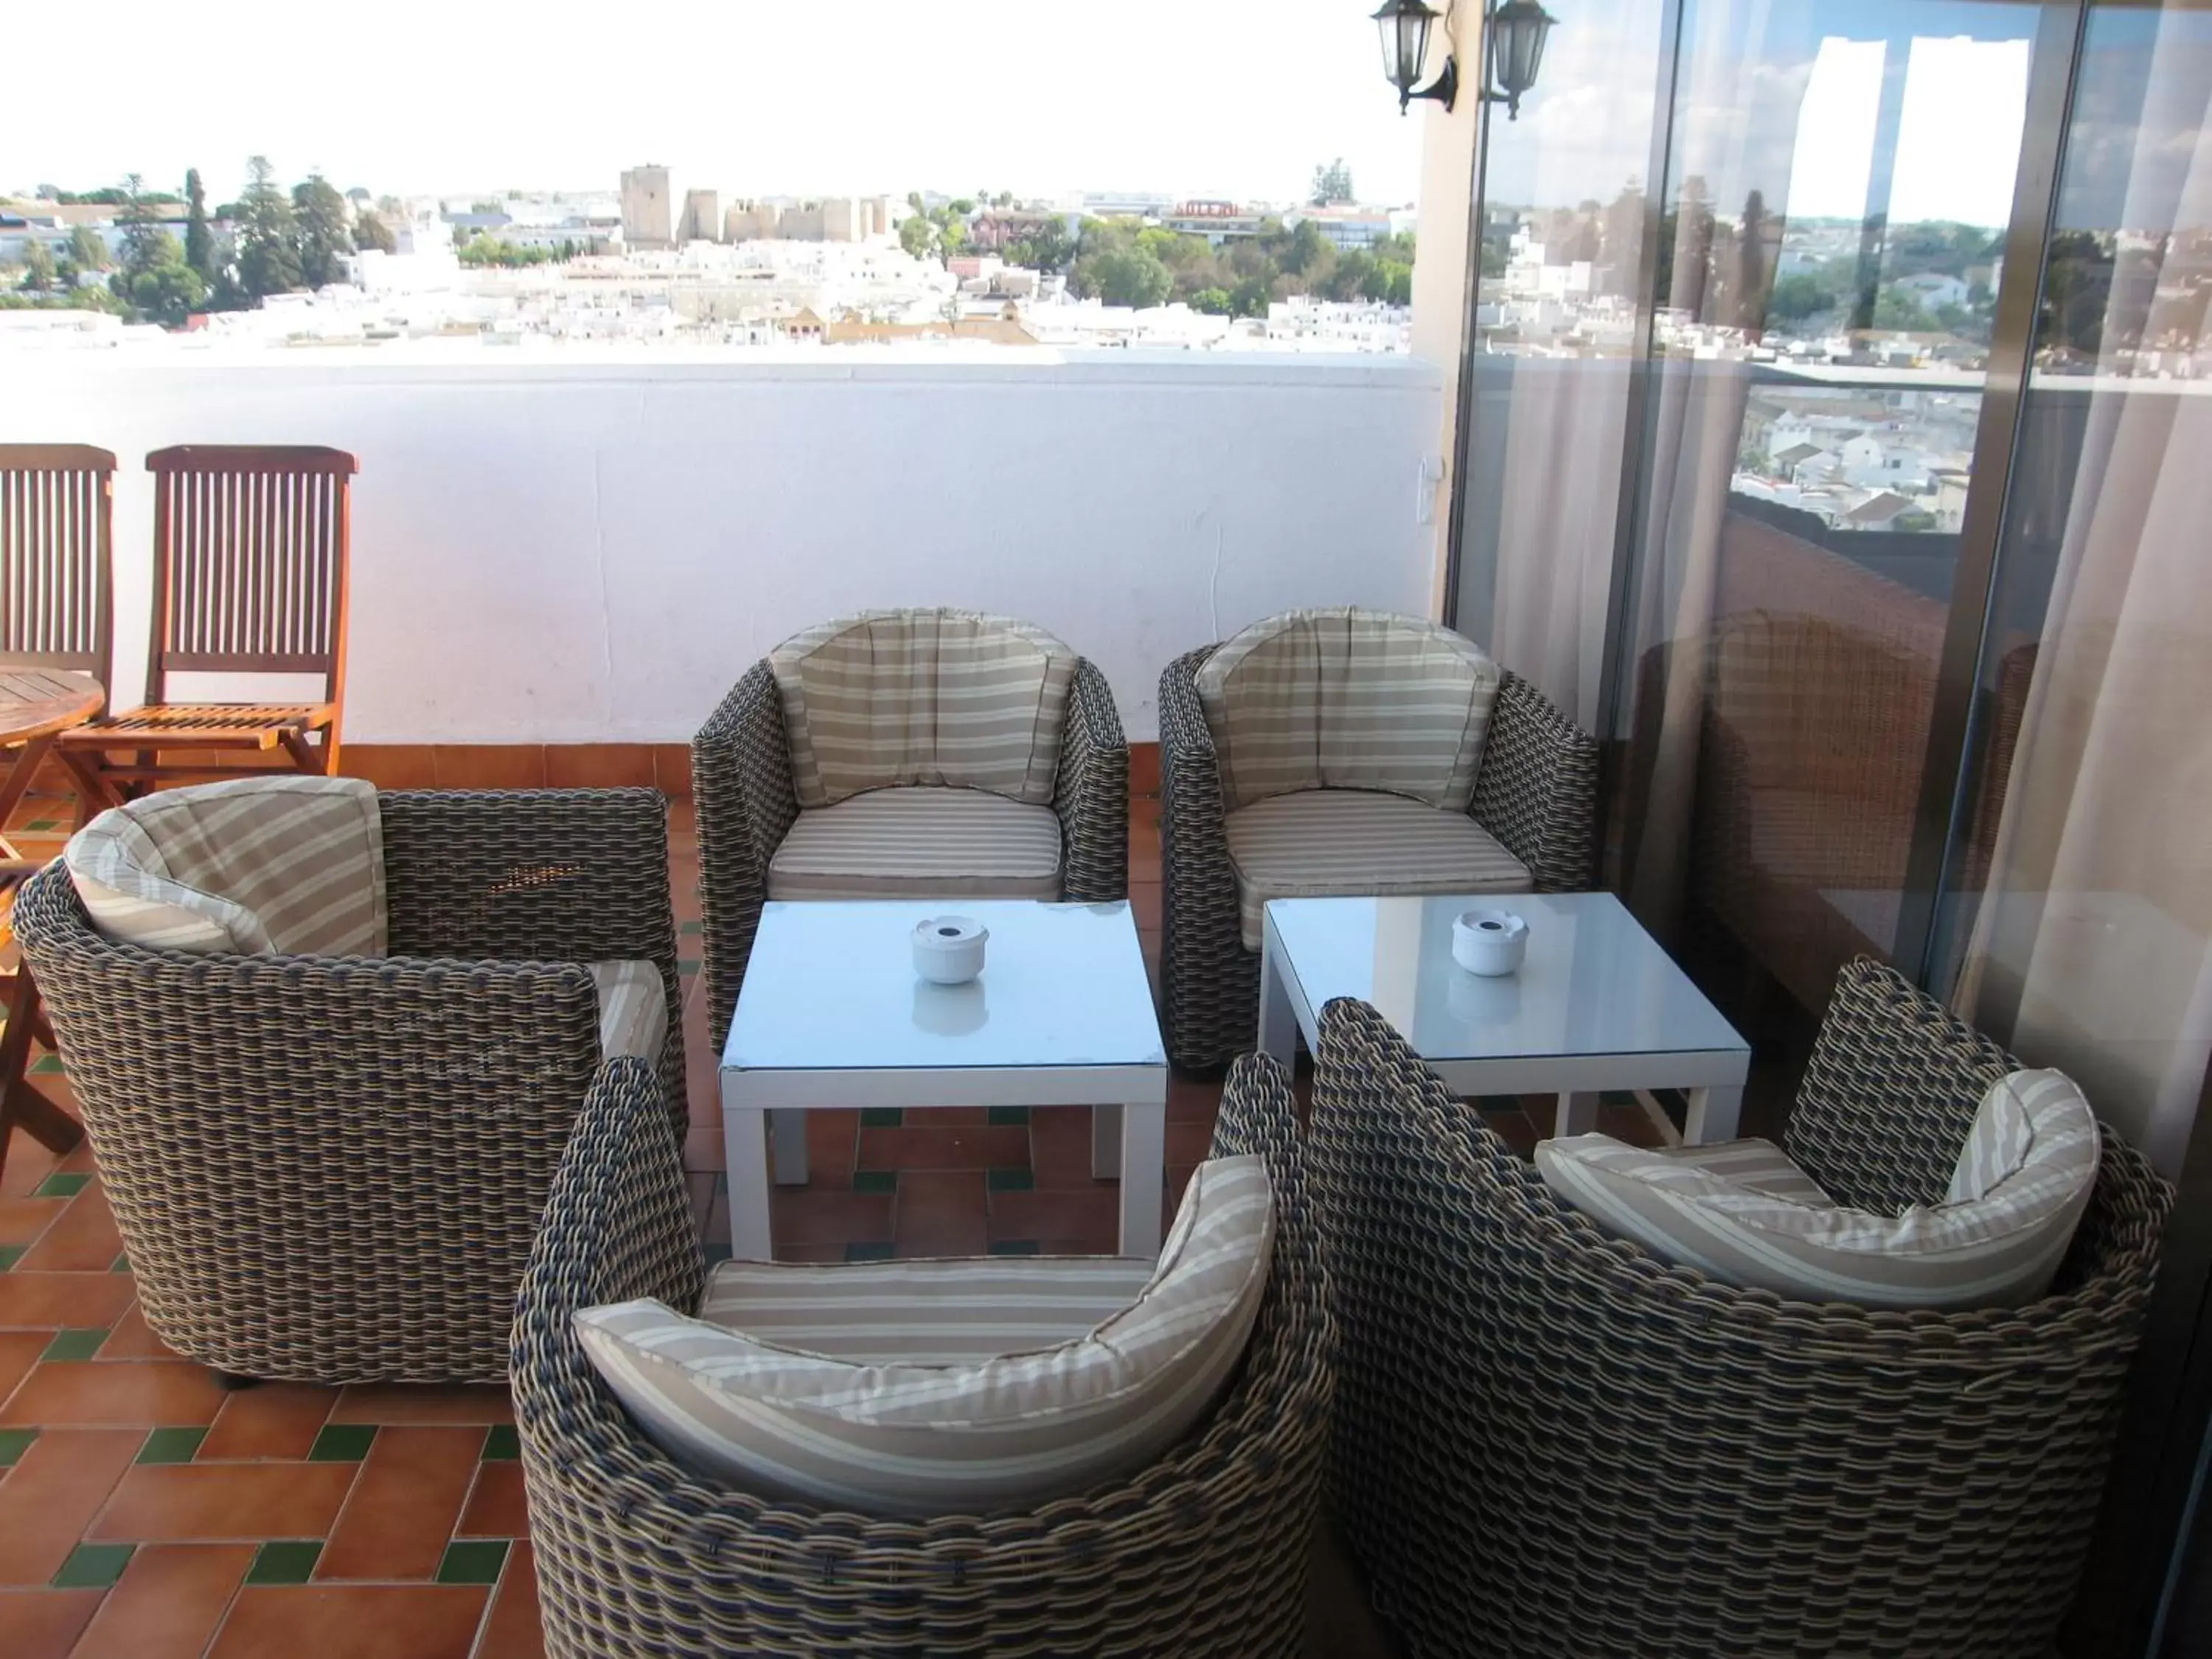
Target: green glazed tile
[
  {"x": 120, "y": 1265},
  {"x": 1498, "y": 1103},
  {"x": 473, "y": 1561},
  {"x": 875, "y": 1181},
  {"x": 715, "y": 1254},
  {"x": 47, "y": 1066},
  {"x": 1015, "y": 1247},
  {"x": 1010, "y": 1181},
  {"x": 1617, "y": 1097},
  {"x": 10, "y": 1255},
  {"x": 93, "y": 1566},
  {"x": 40, "y": 826},
  {"x": 1009, "y": 1115},
  {"x": 74, "y": 1345},
  {"x": 503, "y": 1445},
  {"x": 881, "y": 1117},
  {"x": 13, "y": 1442},
  {"x": 692, "y": 927},
  {"x": 284, "y": 1561},
  {"x": 685, "y": 970},
  {"x": 341, "y": 1443},
  {"x": 172, "y": 1445},
  {"x": 868, "y": 1253},
  {"x": 61, "y": 1185}
]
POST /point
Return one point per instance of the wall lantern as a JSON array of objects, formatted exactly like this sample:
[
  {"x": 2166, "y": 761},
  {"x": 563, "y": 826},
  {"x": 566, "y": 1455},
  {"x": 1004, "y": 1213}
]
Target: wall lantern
[
  {"x": 1513, "y": 51},
  {"x": 1406, "y": 25}
]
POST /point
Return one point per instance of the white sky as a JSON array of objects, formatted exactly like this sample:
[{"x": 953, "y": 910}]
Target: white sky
[{"x": 747, "y": 96}]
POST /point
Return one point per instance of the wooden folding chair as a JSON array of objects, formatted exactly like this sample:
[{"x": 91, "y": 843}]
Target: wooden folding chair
[{"x": 250, "y": 568}]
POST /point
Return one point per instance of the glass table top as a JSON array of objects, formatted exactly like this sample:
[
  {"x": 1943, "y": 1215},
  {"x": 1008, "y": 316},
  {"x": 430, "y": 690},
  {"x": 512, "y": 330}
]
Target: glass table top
[
  {"x": 1594, "y": 981},
  {"x": 831, "y": 986}
]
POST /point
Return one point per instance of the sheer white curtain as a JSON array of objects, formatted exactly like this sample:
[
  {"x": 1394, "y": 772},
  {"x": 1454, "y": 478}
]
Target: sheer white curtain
[{"x": 2093, "y": 949}]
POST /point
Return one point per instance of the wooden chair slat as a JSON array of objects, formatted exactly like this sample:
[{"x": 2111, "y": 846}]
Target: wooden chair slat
[{"x": 56, "y": 513}]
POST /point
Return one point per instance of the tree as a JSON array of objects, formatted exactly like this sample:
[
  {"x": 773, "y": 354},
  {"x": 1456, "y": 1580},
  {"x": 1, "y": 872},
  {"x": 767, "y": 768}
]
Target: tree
[
  {"x": 1213, "y": 301},
  {"x": 38, "y": 268},
  {"x": 199, "y": 240},
  {"x": 951, "y": 238},
  {"x": 319, "y": 215},
  {"x": 1897, "y": 308},
  {"x": 141, "y": 231},
  {"x": 369, "y": 230},
  {"x": 1796, "y": 298},
  {"x": 168, "y": 293},
  {"x": 1332, "y": 182},
  {"x": 267, "y": 256},
  {"x": 1047, "y": 247},
  {"x": 88, "y": 249},
  {"x": 918, "y": 236},
  {"x": 1131, "y": 276}
]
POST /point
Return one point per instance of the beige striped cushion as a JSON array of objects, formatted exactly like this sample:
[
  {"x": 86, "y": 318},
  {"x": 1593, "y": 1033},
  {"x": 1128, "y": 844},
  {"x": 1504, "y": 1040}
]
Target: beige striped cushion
[
  {"x": 924, "y": 1312},
  {"x": 920, "y": 843},
  {"x": 633, "y": 1009},
  {"x": 293, "y": 866},
  {"x": 1757, "y": 1165},
  {"x": 889, "y": 697},
  {"x": 906, "y": 1438},
  {"x": 1351, "y": 843},
  {"x": 1348, "y": 699},
  {"x": 1999, "y": 1250}
]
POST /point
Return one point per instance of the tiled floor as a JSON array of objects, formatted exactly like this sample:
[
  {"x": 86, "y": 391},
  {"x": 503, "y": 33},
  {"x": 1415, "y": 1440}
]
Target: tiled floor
[{"x": 146, "y": 1512}]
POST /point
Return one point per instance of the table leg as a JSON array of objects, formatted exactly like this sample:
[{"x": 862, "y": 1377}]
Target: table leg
[
  {"x": 1144, "y": 1172},
  {"x": 789, "y": 1128},
  {"x": 1278, "y": 1026},
  {"x": 744, "y": 1149},
  {"x": 1577, "y": 1113},
  {"x": 22, "y": 1103},
  {"x": 1714, "y": 1113},
  {"x": 1105, "y": 1142},
  {"x": 17, "y": 780}
]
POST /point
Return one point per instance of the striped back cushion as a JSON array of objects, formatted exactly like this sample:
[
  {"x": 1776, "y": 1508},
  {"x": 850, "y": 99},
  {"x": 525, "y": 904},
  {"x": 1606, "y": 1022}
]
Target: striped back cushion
[
  {"x": 920, "y": 1420},
  {"x": 1348, "y": 699},
  {"x": 2000, "y": 1249},
  {"x": 891, "y": 697},
  {"x": 293, "y": 866}
]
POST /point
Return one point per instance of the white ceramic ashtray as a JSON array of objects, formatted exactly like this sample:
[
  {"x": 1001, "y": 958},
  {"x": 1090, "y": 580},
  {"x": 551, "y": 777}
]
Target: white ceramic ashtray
[
  {"x": 1491, "y": 942},
  {"x": 949, "y": 950}
]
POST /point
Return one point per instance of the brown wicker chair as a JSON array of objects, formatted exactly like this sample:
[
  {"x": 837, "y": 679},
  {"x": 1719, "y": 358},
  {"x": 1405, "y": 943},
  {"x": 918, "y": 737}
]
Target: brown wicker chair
[
  {"x": 741, "y": 780},
  {"x": 1549, "y": 1442},
  {"x": 1536, "y": 793},
  {"x": 1204, "y": 1553},
  {"x": 332, "y": 1170}
]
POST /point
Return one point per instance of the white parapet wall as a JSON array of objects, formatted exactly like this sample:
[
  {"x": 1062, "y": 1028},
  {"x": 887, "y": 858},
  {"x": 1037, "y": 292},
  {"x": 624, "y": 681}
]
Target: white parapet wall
[{"x": 571, "y": 547}]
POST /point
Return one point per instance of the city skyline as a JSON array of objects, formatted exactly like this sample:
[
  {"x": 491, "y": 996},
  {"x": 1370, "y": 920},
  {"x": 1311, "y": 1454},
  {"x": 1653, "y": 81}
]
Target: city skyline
[{"x": 452, "y": 99}]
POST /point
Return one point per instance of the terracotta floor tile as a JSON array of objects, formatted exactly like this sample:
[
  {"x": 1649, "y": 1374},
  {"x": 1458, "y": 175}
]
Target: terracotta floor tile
[
  {"x": 1191, "y": 1101},
  {"x": 803, "y": 1216},
  {"x": 45, "y": 1624},
  {"x": 1094, "y": 1212},
  {"x": 134, "y": 1339},
  {"x": 513, "y": 1630},
  {"x": 1059, "y": 1145},
  {"x": 121, "y": 1391},
  {"x": 50, "y": 1301},
  {"x": 84, "y": 1240},
  {"x": 352, "y": 1621},
  {"x": 269, "y": 1419},
  {"x": 403, "y": 1509},
  {"x": 832, "y": 1139},
  {"x": 1189, "y": 1142},
  {"x": 28, "y": 1164},
  {"x": 1178, "y": 1176},
  {"x": 495, "y": 1508},
  {"x": 597, "y": 766},
  {"x": 403, "y": 1404},
  {"x": 19, "y": 1351},
  {"x": 54, "y": 1489},
  {"x": 185, "y": 1502},
  {"x": 938, "y": 1202},
  {"x": 168, "y": 1603},
  {"x": 926, "y": 1147},
  {"x": 22, "y": 1219},
  {"x": 814, "y": 1255},
  {"x": 702, "y": 1148}
]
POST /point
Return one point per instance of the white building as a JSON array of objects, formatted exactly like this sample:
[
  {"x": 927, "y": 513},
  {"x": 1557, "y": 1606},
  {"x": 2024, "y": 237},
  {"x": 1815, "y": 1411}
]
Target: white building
[{"x": 648, "y": 209}]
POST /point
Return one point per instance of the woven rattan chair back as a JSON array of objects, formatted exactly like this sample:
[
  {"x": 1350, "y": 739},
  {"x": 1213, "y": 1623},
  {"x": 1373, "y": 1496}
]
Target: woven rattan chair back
[
  {"x": 251, "y": 549},
  {"x": 57, "y": 511}
]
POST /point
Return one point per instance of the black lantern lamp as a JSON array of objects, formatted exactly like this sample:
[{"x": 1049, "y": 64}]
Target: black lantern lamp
[
  {"x": 1406, "y": 25},
  {"x": 1513, "y": 50}
]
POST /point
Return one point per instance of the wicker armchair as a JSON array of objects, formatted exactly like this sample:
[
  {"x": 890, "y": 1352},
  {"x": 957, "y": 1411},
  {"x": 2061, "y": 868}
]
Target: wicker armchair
[
  {"x": 1203, "y": 1554},
  {"x": 741, "y": 773},
  {"x": 331, "y": 1170},
  {"x": 1550, "y": 1443},
  {"x": 1536, "y": 793}
]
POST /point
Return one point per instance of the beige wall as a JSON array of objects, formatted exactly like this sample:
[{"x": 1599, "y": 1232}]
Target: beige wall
[{"x": 1440, "y": 270}]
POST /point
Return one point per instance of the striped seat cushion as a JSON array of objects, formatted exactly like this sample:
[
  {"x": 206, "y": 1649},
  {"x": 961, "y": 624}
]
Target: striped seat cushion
[
  {"x": 1351, "y": 843},
  {"x": 924, "y": 1312},
  {"x": 1348, "y": 699},
  {"x": 887, "y": 1430},
  {"x": 285, "y": 864},
  {"x": 920, "y": 843},
  {"x": 1742, "y": 1214},
  {"x": 890, "y": 697},
  {"x": 633, "y": 1010}
]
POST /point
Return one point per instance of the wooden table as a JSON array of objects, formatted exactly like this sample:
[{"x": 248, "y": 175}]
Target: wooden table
[{"x": 35, "y": 704}]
